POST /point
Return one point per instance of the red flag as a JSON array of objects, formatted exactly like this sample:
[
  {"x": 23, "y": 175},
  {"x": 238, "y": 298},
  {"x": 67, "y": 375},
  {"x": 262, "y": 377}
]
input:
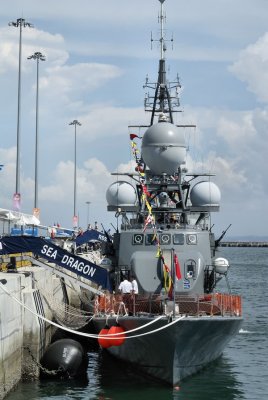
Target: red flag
[
  {"x": 133, "y": 136},
  {"x": 145, "y": 190},
  {"x": 177, "y": 267}
]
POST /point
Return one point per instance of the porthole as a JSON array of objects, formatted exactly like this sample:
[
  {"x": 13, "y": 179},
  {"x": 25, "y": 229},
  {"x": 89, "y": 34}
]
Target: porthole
[
  {"x": 165, "y": 238},
  {"x": 138, "y": 239},
  {"x": 191, "y": 239}
]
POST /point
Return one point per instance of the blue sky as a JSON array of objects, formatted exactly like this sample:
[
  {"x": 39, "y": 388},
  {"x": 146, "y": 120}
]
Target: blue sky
[{"x": 98, "y": 55}]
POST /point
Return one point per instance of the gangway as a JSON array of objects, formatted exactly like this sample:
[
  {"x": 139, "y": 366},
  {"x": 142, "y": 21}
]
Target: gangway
[
  {"x": 55, "y": 255},
  {"x": 55, "y": 269}
]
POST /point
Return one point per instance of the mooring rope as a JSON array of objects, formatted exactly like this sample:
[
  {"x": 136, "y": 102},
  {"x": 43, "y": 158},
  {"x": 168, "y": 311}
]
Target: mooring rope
[{"x": 94, "y": 336}]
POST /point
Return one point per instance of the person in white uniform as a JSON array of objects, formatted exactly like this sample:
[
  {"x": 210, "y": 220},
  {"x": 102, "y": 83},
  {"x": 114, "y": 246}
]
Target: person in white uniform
[
  {"x": 135, "y": 289},
  {"x": 125, "y": 286}
]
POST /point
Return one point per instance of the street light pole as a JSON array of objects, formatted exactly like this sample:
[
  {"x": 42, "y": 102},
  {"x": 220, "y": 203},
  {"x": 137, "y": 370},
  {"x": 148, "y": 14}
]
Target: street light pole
[
  {"x": 75, "y": 123},
  {"x": 38, "y": 57},
  {"x": 88, "y": 204},
  {"x": 21, "y": 23}
]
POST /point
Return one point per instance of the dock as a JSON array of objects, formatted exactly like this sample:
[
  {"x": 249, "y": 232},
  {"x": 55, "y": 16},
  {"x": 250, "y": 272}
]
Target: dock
[
  {"x": 244, "y": 244},
  {"x": 30, "y": 297}
]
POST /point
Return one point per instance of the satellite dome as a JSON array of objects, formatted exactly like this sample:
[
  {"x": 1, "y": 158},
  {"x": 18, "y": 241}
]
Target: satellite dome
[
  {"x": 205, "y": 194},
  {"x": 221, "y": 265},
  {"x": 163, "y": 148},
  {"x": 121, "y": 194}
]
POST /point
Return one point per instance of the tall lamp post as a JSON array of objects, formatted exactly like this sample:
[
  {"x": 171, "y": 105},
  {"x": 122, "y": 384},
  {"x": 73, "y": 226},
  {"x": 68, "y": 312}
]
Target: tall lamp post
[
  {"x": 88, "y": 204},
  {"x": 75, "y": 218},
  {"x": 38, "y": 57},
  {"x": 20, "y": 23}
]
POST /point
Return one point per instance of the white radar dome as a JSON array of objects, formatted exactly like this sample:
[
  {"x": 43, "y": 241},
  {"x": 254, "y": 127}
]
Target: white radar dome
[
  {"x": 205, "y": 194},
  {"x": 221, "y": 265},
  {"x": 121, "y": 194},
  {"x": 163, "y": 148}
]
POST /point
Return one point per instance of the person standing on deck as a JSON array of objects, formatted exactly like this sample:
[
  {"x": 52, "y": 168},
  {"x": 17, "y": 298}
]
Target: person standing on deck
[
  {"x": 125, "y": 286},
  {"x": 135, "y": 289}
]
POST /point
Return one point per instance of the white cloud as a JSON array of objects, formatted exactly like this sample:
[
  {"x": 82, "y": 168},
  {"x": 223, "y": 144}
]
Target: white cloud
[
  {"x": 33, "y": 40},
  {"x": 104, "y": 121},
  {"x": 64, "y": 83},
  {"x": 237, "y": 129},
  {"x": 252, "y": 68}
]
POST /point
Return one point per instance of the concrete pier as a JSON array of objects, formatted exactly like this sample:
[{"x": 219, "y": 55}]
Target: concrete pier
[
  {"x": 24, "y": 336},
  {"x": 11, "y": 335}
]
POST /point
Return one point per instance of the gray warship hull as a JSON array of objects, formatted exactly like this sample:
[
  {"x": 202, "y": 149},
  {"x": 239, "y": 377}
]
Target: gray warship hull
[{"x": 177, "y": 351}]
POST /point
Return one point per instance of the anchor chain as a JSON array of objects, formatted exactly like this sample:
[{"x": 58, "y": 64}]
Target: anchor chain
[{"x": 40, "y": 366}]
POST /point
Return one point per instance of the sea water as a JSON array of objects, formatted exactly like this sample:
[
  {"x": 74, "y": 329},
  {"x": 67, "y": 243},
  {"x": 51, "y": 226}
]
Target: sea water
[{"x": 241, "y": 372}]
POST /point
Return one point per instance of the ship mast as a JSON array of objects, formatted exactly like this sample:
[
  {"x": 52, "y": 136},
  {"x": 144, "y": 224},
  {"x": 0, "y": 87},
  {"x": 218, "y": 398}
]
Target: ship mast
[{"x": 162, "y": 100}]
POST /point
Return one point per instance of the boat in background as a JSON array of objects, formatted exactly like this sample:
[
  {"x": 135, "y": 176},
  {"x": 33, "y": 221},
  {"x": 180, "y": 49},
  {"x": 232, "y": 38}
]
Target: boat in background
[{"x": 178, "y": 322}]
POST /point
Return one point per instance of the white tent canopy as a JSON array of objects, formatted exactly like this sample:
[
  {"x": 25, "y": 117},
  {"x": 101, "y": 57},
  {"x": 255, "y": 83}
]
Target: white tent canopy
[{"x": 18, "y": 218}]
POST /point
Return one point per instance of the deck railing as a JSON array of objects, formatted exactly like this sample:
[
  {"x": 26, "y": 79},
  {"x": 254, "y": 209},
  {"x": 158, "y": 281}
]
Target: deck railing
[{"x": 215, "y": 304}]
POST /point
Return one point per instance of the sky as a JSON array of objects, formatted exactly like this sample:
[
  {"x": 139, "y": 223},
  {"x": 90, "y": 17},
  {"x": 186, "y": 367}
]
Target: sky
[{"x": 98, "y": 54}]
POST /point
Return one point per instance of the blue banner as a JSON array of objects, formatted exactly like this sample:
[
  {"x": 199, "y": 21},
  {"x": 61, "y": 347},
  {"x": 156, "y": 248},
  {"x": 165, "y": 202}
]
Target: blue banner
[{"x": 51, "y": 252}]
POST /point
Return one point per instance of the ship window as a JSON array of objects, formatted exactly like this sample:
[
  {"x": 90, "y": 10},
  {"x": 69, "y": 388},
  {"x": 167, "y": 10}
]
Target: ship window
[
  {"x": 138, "y": 239},
  {"x": 178, "y": 238},
  {"x": 191, "y": 239},
  {"x": 165, "y": 238},
  {"x": 190, "y": 269},
  {"x": 150, "y": 239}
]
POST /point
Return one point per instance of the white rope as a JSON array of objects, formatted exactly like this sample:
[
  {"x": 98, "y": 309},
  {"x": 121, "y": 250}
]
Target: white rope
[
  {"x": 141, "y": 334},
  {"x": 121, "y": 305},
  {"x": 131, "y": 330},
  {"x": 110, "y": 337}
]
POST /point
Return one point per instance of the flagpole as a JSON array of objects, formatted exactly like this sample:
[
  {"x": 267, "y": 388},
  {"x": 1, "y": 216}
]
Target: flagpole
[{"x": 174, "y": 282}]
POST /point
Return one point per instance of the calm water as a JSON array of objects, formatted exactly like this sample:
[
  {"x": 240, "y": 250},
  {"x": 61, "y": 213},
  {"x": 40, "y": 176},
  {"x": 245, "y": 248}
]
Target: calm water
[{"x": 241, "y": 373}]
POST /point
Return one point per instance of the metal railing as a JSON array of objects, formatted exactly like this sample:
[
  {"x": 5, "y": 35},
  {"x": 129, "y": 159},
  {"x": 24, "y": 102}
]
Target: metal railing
[{"x": 216, "y": 304}]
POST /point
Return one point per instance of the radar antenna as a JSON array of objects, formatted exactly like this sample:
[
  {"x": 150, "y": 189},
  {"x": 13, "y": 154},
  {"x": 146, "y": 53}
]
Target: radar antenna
[{"x": 162, "y": 102}]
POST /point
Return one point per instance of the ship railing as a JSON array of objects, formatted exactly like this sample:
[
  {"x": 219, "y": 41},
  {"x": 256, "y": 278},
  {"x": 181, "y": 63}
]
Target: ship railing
[{"x": 215, "y": 304}]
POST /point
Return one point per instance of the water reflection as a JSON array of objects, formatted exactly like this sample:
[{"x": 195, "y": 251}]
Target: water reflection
[
  {"x": 110, "y": 379},
  {"x": 118, "y": 381}
]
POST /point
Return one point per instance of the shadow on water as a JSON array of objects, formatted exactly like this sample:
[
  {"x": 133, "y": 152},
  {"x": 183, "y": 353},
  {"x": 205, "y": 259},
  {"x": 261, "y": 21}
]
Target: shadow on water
[{"x": 119, "y": 381}]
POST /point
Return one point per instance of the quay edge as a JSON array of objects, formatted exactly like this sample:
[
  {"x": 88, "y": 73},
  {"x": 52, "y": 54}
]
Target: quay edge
[
  {"x": 23, "y": 336},
  {"x": 243, "y": 244}
]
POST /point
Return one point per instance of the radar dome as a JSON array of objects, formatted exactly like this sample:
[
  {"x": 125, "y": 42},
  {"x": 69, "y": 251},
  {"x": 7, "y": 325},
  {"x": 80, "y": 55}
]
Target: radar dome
[
  {"x": 163, "y": 148},
  {"x": 221, "y": 265},
  {"x": 121, "y": 194},
  {"x": 205, "y": 194}
]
